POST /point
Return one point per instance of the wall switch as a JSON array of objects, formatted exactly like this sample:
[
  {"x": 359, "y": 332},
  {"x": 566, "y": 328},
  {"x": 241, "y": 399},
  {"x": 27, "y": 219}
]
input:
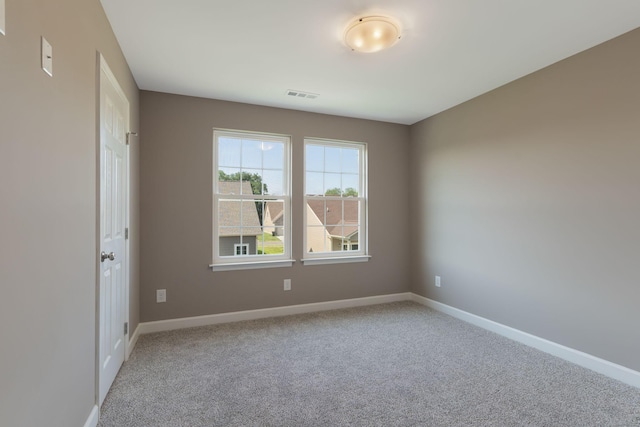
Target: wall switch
[
  {"x": 161, "y": 295},
  {"x": 287, "y": 284},
  {"x": 438, "y": 281},
  {"x": 2, "y": 31},
  {"x": 47, "y": 57}
]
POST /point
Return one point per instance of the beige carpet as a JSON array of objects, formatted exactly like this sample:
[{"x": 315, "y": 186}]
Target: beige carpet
[{"x": 397, "y": 364}]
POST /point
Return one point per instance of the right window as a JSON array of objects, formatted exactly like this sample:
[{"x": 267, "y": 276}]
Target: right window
[{"x": 335, "y": 201}]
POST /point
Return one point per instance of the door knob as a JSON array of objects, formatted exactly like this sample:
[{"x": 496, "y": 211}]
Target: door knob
[{"x": 104, "y": 256}]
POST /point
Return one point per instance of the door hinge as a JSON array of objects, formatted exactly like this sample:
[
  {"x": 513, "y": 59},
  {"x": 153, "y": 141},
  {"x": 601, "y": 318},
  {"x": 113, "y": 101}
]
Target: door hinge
[
  {"x": 129, "y": 135},
  {"x": 126, "y": 233},
  {"x": 126, "y": 328}
]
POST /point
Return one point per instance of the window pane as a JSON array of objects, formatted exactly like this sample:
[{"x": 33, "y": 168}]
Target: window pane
[
  {"x": 315, "y": 158},
  {"x": 228, "y": 181},
  {"x": 238, "y": 224},
  {"x": 229, "y": 215},
  {"x": 332, "y": 161},
  {"x": 317, "y": 239},
  {"x": 333, "y": 213},
  {"x": 332, "y": 184},
  {"x": 314, "y": 183},
  {"x": 269, "y": 244},
  {"x": 316, "y": 212},
  {"x": 350, "y": 185},
  {"x": 238, "y": 217},
  {"x": 252, "y": 181},
  {"x": 336, "y": 244},
  {"x": 273, "y": 218},
  {"x": 350, "y": 160},
  {"x": 351, "y": 224},
  {"x": 251, "y": 154},
  {"x": 273, "y": 155},
  {"x": 273, "y": 182},
  {"x": 270, "y": 241},
  {"x": 229, "y": 152}
]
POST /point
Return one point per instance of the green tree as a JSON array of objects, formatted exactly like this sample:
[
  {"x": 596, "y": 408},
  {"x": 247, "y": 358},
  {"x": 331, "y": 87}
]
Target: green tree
[
  {"x": 348, "y": 192},
  {"x": 254, "y": 178},
  {"x": 256, "y": 185},
  {"x": 332, "y": 192}
]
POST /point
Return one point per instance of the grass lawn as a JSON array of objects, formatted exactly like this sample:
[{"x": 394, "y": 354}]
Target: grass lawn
[
  {"x": 269, "y": 238},
  {"x": 272, "y": 245},
  {"x": 272, "y": 250}
]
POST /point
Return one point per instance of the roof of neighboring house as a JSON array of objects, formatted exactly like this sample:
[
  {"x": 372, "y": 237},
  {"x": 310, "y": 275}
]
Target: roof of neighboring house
[
  {"x": 334, "y": 223},
  {"x": 229, "y": 212}
]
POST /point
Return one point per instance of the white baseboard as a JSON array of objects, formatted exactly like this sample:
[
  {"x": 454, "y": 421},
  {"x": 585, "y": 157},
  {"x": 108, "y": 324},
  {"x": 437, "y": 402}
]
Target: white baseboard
[
  {"x": 214, "y": 319},
  {"x": 132, "y": 342},
  {"x": 92, "y": 421},
  {"x": 612, "y": 370}
]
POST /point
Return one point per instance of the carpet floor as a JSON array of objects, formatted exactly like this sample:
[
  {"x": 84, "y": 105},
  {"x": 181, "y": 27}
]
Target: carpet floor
[{"x": 398, "y": 364}]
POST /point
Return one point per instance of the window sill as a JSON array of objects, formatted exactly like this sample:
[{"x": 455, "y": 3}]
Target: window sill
[
  {"x": 335, "y": 260},
  {"x": 251, "y": 265}
]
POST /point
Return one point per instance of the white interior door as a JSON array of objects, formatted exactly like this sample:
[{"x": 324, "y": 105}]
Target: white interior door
[{"x": 114, "y": 115}]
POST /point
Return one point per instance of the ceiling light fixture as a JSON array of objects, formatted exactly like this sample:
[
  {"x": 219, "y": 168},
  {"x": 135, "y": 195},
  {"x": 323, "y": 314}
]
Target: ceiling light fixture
[{"x": 372, "y": 34}]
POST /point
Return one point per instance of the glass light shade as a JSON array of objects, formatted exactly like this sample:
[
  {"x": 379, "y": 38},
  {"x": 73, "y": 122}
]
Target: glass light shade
[{"x": 372, "y": 34}]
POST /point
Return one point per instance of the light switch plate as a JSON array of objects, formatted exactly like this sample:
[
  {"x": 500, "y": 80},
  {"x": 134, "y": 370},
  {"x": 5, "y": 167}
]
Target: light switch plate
[
  {"x": 2, "y": 20},
  {"x": 47, "y": 57}
]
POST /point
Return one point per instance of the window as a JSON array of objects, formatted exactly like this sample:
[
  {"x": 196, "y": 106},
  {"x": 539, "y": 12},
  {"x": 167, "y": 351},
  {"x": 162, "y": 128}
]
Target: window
[
  {"x": 251, "y": 200},
  {"x": 335, "y": 188},
  {"x": 241, "y": 249}
]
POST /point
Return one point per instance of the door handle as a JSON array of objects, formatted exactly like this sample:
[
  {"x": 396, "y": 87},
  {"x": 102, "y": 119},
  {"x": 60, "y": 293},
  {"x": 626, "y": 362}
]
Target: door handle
[{"x": 104, "y": 256}]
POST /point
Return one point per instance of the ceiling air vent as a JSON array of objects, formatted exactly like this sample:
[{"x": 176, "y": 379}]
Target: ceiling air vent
[{"x": 300, "y": 94}]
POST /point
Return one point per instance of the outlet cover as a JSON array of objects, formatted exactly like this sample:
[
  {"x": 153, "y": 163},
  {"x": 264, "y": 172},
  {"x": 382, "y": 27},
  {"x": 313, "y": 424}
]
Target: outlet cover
[
  {"x": 161, "y": 295},
  {"x": 287, "y": 284},
  {"x": 438, "y": 281}
]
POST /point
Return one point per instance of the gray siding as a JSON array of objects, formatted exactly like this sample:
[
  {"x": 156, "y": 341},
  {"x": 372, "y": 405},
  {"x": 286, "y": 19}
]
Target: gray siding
[{"x": 227, "y": 244}]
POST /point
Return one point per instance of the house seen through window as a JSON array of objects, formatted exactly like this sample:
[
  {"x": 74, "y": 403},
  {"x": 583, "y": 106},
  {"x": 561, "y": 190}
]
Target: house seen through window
[
  {"x": 335, "y": 198},
  {"x": 252, "y": 201},
  {"x": 251, "y": 197}
]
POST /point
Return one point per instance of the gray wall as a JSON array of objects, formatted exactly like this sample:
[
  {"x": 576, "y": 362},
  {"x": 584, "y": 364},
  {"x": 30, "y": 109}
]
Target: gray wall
[
  {"x": 176, "y": 187},
  {"x": 527, "y": 203},
  {"x": 525, "y": 200},
  {"x": 48, "y": 215}
]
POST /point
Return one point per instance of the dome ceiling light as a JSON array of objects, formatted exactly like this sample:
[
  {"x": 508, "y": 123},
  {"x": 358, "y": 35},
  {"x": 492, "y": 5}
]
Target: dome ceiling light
[{"x": 372, "y": 34}]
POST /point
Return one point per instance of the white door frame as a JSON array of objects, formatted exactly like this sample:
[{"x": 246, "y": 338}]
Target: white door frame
[{"x": 102, "y": 66}]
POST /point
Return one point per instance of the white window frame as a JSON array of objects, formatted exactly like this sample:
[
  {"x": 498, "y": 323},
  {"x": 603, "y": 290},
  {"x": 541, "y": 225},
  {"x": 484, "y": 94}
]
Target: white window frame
[
  {"x": 251, "y": 261},
  {"x": 360, "y": 255}
]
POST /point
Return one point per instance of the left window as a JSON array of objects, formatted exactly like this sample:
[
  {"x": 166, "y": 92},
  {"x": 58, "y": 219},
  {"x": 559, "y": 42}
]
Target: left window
[{"x": 251, "y": 200}]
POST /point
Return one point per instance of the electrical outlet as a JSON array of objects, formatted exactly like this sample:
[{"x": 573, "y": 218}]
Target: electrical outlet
[
  {"x": 161, "y": 295},
  {"x": 287, "y": 284},
  {"x": 437, "y": 281}
]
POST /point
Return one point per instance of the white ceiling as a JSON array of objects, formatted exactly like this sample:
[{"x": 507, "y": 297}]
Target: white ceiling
[{"x": 252, "y": 51}]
